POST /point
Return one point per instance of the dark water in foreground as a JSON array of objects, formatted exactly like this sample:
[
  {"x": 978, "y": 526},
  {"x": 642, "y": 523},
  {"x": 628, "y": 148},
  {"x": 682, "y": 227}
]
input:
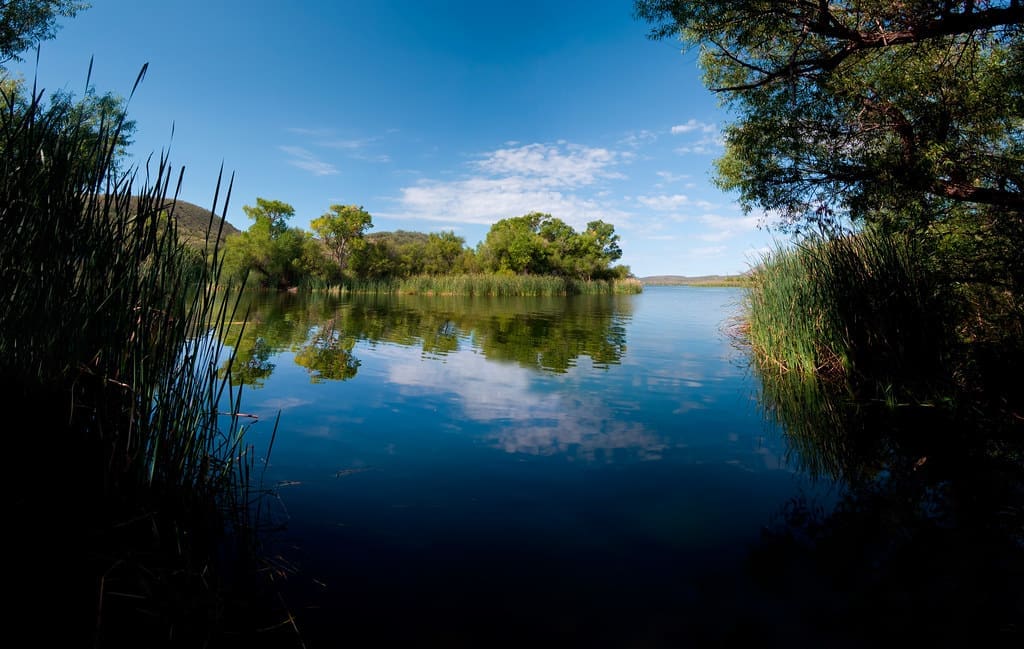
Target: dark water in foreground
[{"x": 592, "y": 471}]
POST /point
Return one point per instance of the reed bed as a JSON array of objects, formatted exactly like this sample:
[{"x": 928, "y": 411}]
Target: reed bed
[
  {"x": 850, "y": 336},
  {"x": 494, "y": 285},
  {"x": 866, "y": 306},
  {"x": 111, "y": 334}
]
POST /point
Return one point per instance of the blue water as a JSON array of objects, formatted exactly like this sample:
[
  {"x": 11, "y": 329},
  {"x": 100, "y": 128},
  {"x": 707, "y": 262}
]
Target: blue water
[{"x": 585, "y": 471}]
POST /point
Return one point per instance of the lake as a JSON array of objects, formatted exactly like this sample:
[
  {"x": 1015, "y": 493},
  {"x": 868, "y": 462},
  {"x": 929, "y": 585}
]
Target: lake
[{"x": 592, "y": 470}]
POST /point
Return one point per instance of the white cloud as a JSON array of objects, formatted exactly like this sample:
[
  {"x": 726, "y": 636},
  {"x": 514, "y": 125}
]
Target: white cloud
[
  {"x": 560, "y": 165},
  {"x": 664, "y": 203},
  {"x": 305, "y": 160},
  {"x": 693, "y": 125},
  {"x": 561, "y": 179}
]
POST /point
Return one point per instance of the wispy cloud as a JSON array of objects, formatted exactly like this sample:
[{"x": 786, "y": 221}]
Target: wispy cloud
[
  {"x": 664, "y": 203},
  {"x": 693, "y": 125},
  {"x": 562, "y": 179},
  {"x": 350, "y": 145},
  {"x": 304, "y": 159},
  {"x": 671, "y": 202},
  {"x": 636, "y": 139},
  {"x": 327, "y": 138},
  {"x": 669, "y": 177},
  {"x": 726, "y": 227},
  {"x": 708, "y": 144}
]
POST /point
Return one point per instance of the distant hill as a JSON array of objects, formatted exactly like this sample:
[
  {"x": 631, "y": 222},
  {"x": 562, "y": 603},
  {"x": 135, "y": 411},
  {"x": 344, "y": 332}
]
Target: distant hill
[
  {"x": 193, "y": 222},
  {"x": 701, "y": 280}
]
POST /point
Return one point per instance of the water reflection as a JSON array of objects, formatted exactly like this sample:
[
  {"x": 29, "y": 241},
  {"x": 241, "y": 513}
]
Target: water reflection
[
  {"x": 527, "y": 467},
  {"x": 926, "y": 545},
  {"x": 322, "y": 331}
]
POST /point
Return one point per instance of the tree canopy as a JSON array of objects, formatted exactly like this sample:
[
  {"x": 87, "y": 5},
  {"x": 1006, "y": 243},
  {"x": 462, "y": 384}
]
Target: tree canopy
[
  {"x": 340, "y": 229},
  {"x": 277, "y": 255},
  {"x": 540, "y": 244},
  {"x": 24, "y": 23},
  {"x": 891, "y": 112}
]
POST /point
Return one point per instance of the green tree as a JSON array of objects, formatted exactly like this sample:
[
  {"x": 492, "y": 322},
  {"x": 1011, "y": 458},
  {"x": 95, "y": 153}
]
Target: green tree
[
  {"x": 883, "y": 112},
  {"x": 340, "y": 228},
  {"x": 541, "y": 244},
  {"x": 514, "y": 245},
  {"x": 25, "y": 23},
  {"x": 97, "y": 123},
  {"x": 443, "y": 253},
  {"x": 271, "y": 252},
  {"x": 597, "y": 247}
]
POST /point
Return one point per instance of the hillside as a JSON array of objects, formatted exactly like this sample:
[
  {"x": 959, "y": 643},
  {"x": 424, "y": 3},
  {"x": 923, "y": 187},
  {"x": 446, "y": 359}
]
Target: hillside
[
  {"x": 193, "y": 222},
  {"x": 702, "y": 280}
]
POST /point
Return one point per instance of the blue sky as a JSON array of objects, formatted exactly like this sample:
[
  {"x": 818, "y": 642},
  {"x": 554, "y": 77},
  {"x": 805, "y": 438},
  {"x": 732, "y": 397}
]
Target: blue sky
[{"x": 431, "y": 115}]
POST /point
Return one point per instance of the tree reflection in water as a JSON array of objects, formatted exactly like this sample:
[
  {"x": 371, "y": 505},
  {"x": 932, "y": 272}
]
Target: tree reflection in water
[{"x": 322, "y": 331}]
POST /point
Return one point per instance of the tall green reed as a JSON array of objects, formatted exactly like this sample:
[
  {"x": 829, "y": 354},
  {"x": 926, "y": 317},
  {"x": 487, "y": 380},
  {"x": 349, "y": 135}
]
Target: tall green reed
[
  {"x": 493, "y": 285},
  {"x": 110, "y": 337},
  {"x": 851, "y": 336},
  {"x": 866, "y": 308}
]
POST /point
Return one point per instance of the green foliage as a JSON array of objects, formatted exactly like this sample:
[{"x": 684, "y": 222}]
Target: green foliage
[
  {"x": 343, "y": 253},
  {"x": 323, "y": 331},
  {"x": 270, "y": 252},
  {"x": 496, "y": 285},
  {"x": 868, "y": 310},
  {"x": 341, "y": 231},
  {"x": 101, "y": 129},
  {"x": 878, "y": 112},
  {"x": 25, "y": 23},
  {"x": 539, "y": 244}
]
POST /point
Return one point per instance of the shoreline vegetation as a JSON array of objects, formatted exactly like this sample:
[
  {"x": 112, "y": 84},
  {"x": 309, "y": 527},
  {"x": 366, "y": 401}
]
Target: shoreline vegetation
[
  {"x": 492, "y": 285},
  {"x": 137, "y": 502},
  {"x": 744, "y": 280}
]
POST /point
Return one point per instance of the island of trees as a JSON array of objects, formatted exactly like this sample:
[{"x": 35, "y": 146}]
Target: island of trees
[{"x": 531, "y": 253}]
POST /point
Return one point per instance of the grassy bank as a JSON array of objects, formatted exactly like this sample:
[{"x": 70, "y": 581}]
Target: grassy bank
[
  {"x": 134, "y": 489},
  {"x": 494, "y": 285}
]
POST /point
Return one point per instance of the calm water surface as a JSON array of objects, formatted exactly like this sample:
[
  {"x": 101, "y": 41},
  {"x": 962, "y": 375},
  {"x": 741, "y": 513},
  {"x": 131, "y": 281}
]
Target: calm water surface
[{"x": 521, "y": 471}]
